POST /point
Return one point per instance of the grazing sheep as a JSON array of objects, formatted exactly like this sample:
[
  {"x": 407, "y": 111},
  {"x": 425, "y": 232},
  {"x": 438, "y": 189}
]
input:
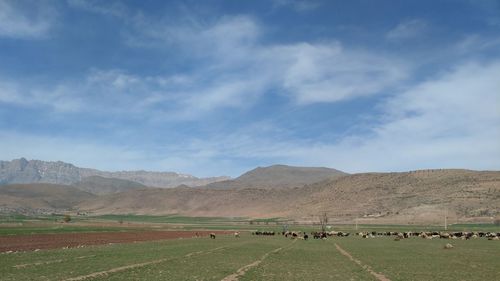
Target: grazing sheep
[
  {"x": 237, "y": 234},
  {"x": 448, "y": 246},
  {"x": 212, "y": 235},
  {"x": 444, "y": 235}
]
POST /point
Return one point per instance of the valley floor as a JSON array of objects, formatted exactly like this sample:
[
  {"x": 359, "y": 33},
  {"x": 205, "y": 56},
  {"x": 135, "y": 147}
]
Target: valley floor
[{"x": 261, "y": 258}]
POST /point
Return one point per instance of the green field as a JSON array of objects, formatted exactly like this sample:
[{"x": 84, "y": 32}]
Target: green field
[
  {"x": 247, "y": 258},
  {"x": 206, "y": 259},
  {"x": 13, "y": 224}
]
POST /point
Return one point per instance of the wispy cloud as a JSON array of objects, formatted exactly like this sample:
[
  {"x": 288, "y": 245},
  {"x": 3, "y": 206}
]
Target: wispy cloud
[
  {"x": 319, "y": 73},
  {"x": 228, "y": 75},
  {"x": 408, "y": 29},
  {"x": 298, "y": 5},
  {"x": 26, "y": 20},
  {"x": 234, "y": 69},
  {"x": 447, "y": 122},
  {"x": 107, "y": 8},
  {"x": 236, "y": 66}
]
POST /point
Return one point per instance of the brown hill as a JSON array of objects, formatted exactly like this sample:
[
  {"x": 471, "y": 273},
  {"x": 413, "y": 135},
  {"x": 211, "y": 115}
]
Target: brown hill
[
  {"x": 194, "y": 202},
  {"x": 40, "y": 197},
  {"x": 278, "y": 176},
  {"x": 417, "y": 196},
  {"x": 101, "y": 185},
  {"x": 420, "y": 196}
]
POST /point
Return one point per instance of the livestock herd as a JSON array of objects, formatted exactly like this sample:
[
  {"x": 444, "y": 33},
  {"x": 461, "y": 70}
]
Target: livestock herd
[
  {"x": 303, "y": 235},
  {"x": 465, "y": 235}
]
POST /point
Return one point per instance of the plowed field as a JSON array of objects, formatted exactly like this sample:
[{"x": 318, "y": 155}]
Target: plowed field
[{"x": 52, "y": 241}]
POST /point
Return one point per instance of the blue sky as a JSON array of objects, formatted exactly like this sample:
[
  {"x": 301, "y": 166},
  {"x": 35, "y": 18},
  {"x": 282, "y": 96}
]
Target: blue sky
[{"x": 220, "y": 87}]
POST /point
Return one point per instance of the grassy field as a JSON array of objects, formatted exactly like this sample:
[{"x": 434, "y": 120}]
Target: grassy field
[
  {"x": 13, "y": 224},
  {"x": 277, "y": 258},
  {"x": 247, "y": 258}
]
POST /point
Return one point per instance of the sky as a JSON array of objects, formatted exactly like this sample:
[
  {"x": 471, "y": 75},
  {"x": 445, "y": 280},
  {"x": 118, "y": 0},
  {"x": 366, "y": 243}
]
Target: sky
[{"x": 214, "y": 88}]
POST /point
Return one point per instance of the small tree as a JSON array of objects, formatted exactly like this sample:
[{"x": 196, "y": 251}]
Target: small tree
[
  {"x": 67, "y": 218},
  {"x": 323, "y": 221}
]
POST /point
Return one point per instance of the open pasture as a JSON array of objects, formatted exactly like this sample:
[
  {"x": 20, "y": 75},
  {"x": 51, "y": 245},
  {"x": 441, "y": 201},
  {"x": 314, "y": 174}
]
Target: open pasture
[{"x": 253, "y": 257}]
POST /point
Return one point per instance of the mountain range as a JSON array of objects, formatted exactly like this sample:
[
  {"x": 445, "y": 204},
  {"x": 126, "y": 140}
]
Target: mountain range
[
  {"x": 417, "y": 196},
  {"x": 301, "y": 193},
  {"x": 36, "y": 171}
]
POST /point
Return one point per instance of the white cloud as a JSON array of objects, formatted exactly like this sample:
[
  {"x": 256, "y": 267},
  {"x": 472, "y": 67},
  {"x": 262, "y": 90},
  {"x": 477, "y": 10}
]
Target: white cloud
[
  {"x": 408, "y": 29},
  {"x": 298, "y": 5},
  {"x": 234, "y": 69},
  {"x": 107, "y": 8},
  {"x": 324, "y": 72},
  {"x": 450, "y": 121},
  {"x": 31, "y": 21}
]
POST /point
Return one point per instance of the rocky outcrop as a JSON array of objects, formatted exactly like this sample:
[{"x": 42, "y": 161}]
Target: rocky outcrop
[{"x": 36, "y": 171}]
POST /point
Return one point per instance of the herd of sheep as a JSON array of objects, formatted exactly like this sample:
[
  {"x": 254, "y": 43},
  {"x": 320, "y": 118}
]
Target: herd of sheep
[{"x": 465, "y": 235}]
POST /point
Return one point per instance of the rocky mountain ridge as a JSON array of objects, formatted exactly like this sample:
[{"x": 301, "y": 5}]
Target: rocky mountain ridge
[{"x": 20, "y": 171}]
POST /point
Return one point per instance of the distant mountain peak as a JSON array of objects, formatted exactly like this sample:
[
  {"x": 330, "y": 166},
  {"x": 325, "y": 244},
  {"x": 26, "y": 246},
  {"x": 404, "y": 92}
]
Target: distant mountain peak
[
  {"x": 278, "y": 176},
  {"x": 38, "y": 171}
]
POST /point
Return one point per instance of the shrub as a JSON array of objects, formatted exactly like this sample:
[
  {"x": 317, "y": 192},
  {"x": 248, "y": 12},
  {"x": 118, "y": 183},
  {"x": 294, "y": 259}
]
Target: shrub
[{"x": 67, "y": 218}]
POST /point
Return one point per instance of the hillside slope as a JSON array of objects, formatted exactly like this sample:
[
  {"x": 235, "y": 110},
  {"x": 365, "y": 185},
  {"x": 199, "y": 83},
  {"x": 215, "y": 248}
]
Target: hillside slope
[
  {"x": 47, "y": 197},
  {"x": 278, "y": 176},
  {"x": 410, "y": 196},
  {"x": 421, "y": 196},
  {"x": 101, "y": 185}
]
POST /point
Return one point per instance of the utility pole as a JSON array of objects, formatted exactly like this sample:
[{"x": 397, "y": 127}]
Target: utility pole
[
  {"x": 356, "y": 220},
  {"x": 446, "y": 219}
]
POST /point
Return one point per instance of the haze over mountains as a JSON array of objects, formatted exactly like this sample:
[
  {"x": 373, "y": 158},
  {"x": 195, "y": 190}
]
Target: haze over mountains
[
  {"x": 36, "y": 171},
  {"x": 279, "y": 191}
]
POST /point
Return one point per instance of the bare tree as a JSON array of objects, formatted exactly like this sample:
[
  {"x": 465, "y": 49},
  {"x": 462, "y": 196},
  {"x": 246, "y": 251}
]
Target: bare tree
[{"x": 323, "y": 221}]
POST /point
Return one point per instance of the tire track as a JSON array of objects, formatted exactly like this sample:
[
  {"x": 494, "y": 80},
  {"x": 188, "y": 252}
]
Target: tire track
[
  {"x": 137, "y": 265},
  {"x": 19, "y": 266},
  {"x": 379, "y": 276},
  {"x": 242, "y": 270}
]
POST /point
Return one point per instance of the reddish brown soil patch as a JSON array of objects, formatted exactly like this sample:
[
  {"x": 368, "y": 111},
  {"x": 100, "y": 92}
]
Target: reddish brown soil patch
[{"x": 52, "y": 241}]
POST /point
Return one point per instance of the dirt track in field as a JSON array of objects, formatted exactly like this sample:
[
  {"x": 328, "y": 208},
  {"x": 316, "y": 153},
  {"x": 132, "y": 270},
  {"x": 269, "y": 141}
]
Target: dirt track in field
[
  {"x": 378, "y": 275},
  {"x": 72, "y": 240}
]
